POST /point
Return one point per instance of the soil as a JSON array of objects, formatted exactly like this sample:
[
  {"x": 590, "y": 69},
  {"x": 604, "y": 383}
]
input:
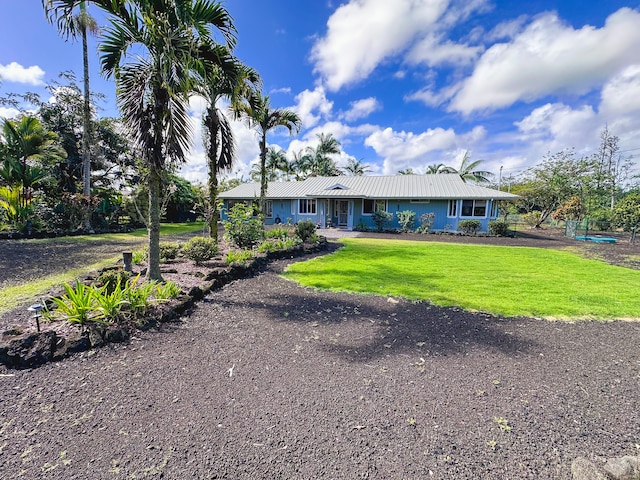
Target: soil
[{"x": 267, "y": 379}]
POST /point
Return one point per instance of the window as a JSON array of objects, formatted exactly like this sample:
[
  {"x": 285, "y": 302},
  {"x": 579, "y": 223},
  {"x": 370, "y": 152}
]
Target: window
[
  {"x": 420, "y": 200},
  {"x": 453, "y": 208},
  {"x": 474, "y": 208},
  {"x": 370, "y": 206},
  {"x": 307, "y": 206},
  {"x": 268, "y": 209}
]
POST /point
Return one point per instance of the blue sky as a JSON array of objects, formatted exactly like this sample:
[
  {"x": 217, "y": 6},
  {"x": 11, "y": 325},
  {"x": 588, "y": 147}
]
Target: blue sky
[{"x": 407, "y": 83}]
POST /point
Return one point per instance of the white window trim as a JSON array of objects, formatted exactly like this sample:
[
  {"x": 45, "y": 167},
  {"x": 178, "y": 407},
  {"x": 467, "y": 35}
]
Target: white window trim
[
  {"x": 268, "y": 202},
  {"x": 486, "y": 208},
  {"x": 449, "y": 208},
  {"x": 315, "y": 202}
]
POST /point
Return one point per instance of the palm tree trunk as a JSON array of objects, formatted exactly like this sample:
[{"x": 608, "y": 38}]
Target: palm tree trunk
[
  {"x": 86, "y": 120},
  {"x": 263, "y": 171},
  {"x": 213, "y": 178},
  {"x": 155, "y": 185}
]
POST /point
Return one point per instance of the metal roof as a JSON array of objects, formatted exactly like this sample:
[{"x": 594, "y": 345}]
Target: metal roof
[{"x": 414, "y": 187}]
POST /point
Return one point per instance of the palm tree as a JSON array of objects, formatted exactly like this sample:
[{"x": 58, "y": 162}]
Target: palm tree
[
  {"x": 467, "y": 170},
  {"x": 356, "y": 167},
  {"x": 318, "y": 161},
  {"x": 71, "y": 25},
  {"x": 406, "y": 171},
  {"x": 435, "y": 168},
  {"x": 257, "y": 112},
  {"x": 233, "y": 83},
  {"x": 153, "y": 89}
]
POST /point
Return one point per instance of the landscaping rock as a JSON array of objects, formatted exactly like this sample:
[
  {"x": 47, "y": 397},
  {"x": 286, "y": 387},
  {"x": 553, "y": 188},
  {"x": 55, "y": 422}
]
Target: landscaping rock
[
  {"x": 196, "y": 293},
  {"x": 28, "y": 350},
  {"x": 74, "y": 343},
  {"x": 623, "y": 468},
  {"x": 583, "y": 469},
  {"x": 116, "y": 335},
  {"x": 96, "y": 335}
]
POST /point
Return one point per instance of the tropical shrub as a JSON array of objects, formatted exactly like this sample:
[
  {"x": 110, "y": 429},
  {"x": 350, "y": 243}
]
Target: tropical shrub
[
  {"x": 111, "y": 278},
  {"x": 499, "y": 228},
  {"x": 281, "y": 232},
  {"x": 600, "y": 219},
  {"x": 532, "y": 218},
  {"x": 304, "y": 229},
  {"x": 109, "y": 303},
  {"x": 200, "y": 249},
  {"x": 426, "y": 222},
  {"x": 243, "y": 228},
  {"x": 469, "y": 227},
  {"x": 235, "y": 256},
  {"x": 407, "y": 219},
  {"x": 381, "y": 219},
  {"x": 139, "y": 256},
  {"x": 166, "y": 291},
  {"x": 78, "y": 304},
  {"x": 169, "y": 250}
]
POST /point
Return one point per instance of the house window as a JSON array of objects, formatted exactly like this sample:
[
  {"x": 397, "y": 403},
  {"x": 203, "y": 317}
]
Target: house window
[
  {"x": 453, "y": 208},
  {"x": 307, "y": 206},
  {"x": 268, "y": 209},
  {"x": 371, "y": 206},
  {"x": 474, "y": 208}
]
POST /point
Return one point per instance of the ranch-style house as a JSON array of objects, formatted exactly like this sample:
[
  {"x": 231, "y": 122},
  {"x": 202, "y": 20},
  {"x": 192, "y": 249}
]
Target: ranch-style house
[{"x": 349, "y": 201}]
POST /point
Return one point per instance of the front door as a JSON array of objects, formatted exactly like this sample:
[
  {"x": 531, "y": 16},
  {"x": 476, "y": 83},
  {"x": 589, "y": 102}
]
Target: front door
[{"x": 343, "y": 213}]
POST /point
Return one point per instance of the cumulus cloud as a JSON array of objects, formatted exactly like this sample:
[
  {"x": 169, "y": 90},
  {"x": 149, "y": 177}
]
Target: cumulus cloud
[
  {"x": 363, "y": 33},
  {"x": 434, "y": 50},
  {"x": 550, "y": 57},
  {"x": 14, "y": 72},
  {"x": 402, "y": 150},
  {"x": 8, "y": 112},
  {"x": 361, "y": 109},
  {"x": 621, "y": 94},
  {"x": 312, "y": 106}
]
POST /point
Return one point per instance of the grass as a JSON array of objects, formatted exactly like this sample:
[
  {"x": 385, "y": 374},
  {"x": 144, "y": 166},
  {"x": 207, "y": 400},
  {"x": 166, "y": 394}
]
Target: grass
[
  {"x": 510, "y": 281},
  {"x": 12, "y": 297}
]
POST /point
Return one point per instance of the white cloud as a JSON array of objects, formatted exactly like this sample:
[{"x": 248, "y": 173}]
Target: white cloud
[
  {"x": 507, "y": 30},
  {"x": 551, "y": 57},
  {"x": 402, "y": 150},
  {"x": 361, "y": 108},
  {"x": 621, "y": 95},
  {"x": 363, "y": 33},
  {"x": 14, "y": 72},
  {"x": 8, "y": 113},
  {"x": 433, "y": 50},
  {"x": 312, "y": 106}
]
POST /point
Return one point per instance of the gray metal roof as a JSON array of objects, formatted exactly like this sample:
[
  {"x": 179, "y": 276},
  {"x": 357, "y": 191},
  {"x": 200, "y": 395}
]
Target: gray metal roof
[{"x": 414, "y": 187}]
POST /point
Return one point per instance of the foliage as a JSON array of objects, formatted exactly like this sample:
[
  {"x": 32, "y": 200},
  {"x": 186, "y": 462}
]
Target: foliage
[
  {"x": 571, "y": 209},
  {"x": 512, "y": 281},
  {"x": 110, "y": 301},
  {"x": 304, "y": 229},
  {"x": 167, "y": 291},
  {"x": 533, "y": 219},
  {"x": 469, "y": 227},
  {"x": 381, "y": 219},
  {"x": 361, "y": 226},
  {"x": 601, "y": 219},
  {"x": 243, "y": 227},
  {"x": 626, "y": 214},
  {"x": 278, "y": 244},
  {"x": 407, "y": 219},
  {"x": 426, "y": 222},
  {"x": 235, "y": 256},
  {"x": 139, "y": 256},
  {"x": 468, "y": 170},
  {"x": 281, "y": 232},
  {"x": 139, "y": 295},
  {"x": 78, "y": 304},
  {"x": 169, "y": 250},
  {"x": 200, "y": 249},
  {"x": 110, "y": 279},
  {"x": 499, "y": 228}
]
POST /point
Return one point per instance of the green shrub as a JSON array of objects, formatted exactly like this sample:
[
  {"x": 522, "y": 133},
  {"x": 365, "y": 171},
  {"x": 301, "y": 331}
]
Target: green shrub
[
  {"x": 601, "y": 220},
  {"x": 281, "y": 232},
  {"x": 238, "y": 256},
  {"x": 110, "y": 303},
  {"x": 243, "y": 228},
  {"x": 499, "y": 228},
  {"x": 381, "y": 219},
  {"x": 138, "y": 257},
  {"x": 532, "y": 218},
  {"x": 275, "y": 245},
  {"x": 469, "y": 227},
  {"x": 111, "y": 278},
  {"x": 304, "y": 229},
  {"x": 426, "y": 222},
  {"x": 139, "y": 296},
  {"x": 200, "y": 249},
  {"x": 169, "y": 250},
  {"x": 407, "y": 219},
  {"x": 360, "y": 227},
  {"x": 78, "y": 304},
  {"x": 167, "y": 291}
]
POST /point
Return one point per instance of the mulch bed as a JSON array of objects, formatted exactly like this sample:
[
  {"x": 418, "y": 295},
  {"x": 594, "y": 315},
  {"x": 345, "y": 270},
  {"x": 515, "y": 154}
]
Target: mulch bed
[{"x": 267, "y": 379}]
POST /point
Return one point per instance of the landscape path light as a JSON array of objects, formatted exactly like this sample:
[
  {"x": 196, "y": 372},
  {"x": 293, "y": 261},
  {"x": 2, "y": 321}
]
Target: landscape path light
[{"x": 36, "y": 308}]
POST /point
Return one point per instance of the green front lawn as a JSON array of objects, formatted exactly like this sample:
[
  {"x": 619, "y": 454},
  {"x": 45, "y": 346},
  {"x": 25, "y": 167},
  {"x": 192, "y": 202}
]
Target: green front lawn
[{"x": 510, "y": 281}]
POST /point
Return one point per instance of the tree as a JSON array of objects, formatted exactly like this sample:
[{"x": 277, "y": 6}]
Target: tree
[
  {"x": 468, "y": 170},
  {"x": 232, "y": 83},
  {"x": 258, "y": 114},
  {"x": 70, "y": 25},
  {"x": 356, "y": 167},
  {"x": 153, "y": 88},
  {"x": 316, "y": 161},
  {"x": 626, "y": 214},
  {"x": 406, "y": 171},
  {"x": 435, "y": 168}
]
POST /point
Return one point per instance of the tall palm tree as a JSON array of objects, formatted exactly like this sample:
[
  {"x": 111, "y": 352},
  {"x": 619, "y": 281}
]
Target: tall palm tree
[
  {"x": 257, "y": 112},
  {"x": 72, "y": 25},
  {"x": 153, "y": 88},
  {"x": 356, "y": 167},
  {"x": 406, "y": 171},
  {"x": 231, "y": 81},
  {"x": 435, "y": 168},
  {"x": 468, "y": 170},
  {"x": 318, "y": 161}
]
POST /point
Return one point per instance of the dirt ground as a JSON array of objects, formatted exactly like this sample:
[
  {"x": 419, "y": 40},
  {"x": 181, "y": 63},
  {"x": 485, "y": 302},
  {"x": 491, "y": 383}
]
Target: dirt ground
[{"x": 267, "y": 379}]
